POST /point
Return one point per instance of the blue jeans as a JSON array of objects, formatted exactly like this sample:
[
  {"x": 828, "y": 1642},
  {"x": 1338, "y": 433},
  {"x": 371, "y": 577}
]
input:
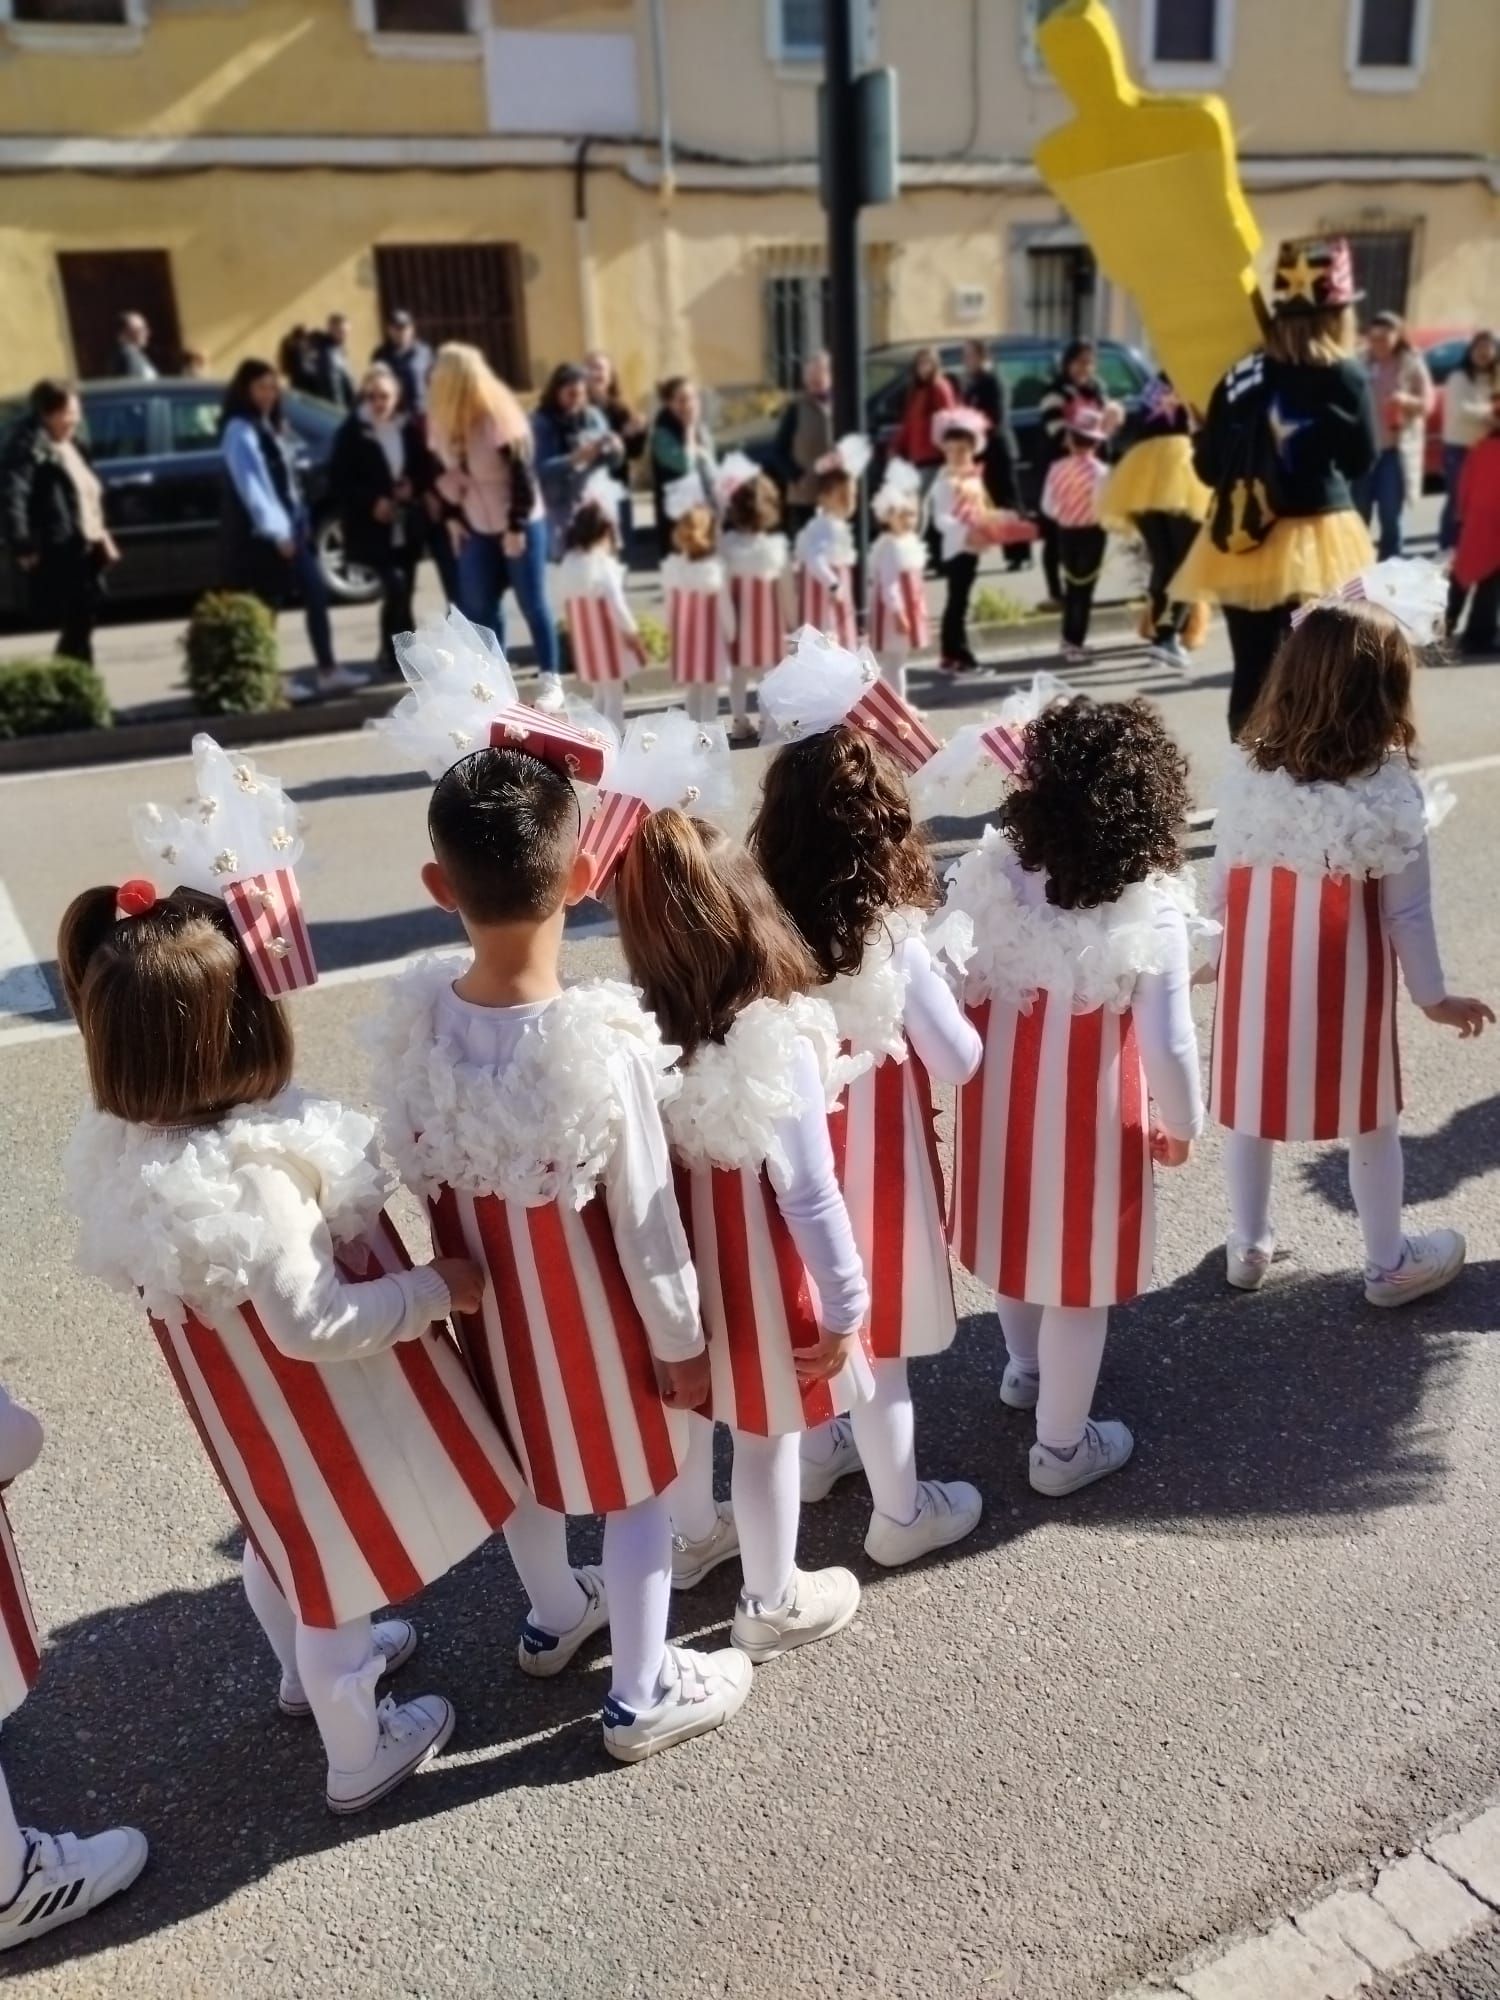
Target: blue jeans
[
  {"x": 314, "y": 591},
  {"x": 1453, "y": 465},
  {"x": 485, "y": 573},
  {"x": 1383, "y": 493}
]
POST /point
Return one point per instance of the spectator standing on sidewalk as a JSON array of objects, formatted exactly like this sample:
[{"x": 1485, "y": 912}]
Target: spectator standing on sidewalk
[
  {"x": 332, "y": 368},
  {"x": 571, "y": 439},
  {"x": 1401, "y": 390},
  {"x": 54, "y": 520},
  {"x": 132, "y": 339},
  {"x": 804, "y": 440},
  {"x": 1468, "y": 399},
  {"x": 376, "y": 473},
  {"x": 265, "y": 534},
  {"x": 481, "y": 437},
  {"x": 628, "y": 425},
  {"x": 409, "y": 359},
  {"x": 983, "y": 388},
  {"x": 680, "y": 444}
]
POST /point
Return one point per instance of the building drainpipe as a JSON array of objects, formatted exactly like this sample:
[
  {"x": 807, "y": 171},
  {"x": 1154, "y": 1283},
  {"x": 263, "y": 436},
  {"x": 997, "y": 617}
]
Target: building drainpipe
[
  {"x": 668, "y": 291},
  {"x": 588, "y": 301}
]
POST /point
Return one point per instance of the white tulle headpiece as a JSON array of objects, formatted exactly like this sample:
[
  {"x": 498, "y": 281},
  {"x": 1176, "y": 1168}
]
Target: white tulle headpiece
[
  {"x": 948, "y": 787},
  {"x": 821, "y": 684},
  {"x": 239, "y": 838},
  {"x": 463, "y": 698},
  {"x": 901, "y": 487},
  {"x": 736, "y": 470},
  {"x": 853, "y": 452},
  {"x": 682, "y": 495},
  {"x": 1412, "y": 590},
  {"x": 602, "y": 490},
  {"x": 664, "y": 760}
]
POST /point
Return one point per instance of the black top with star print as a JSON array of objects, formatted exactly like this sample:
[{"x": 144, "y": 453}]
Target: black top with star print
[{"x": 1320, "y": 425}]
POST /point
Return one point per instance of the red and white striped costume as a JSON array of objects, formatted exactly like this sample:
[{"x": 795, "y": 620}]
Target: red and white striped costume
[
  {"x": 1070, "y": 495},
  {"x": 1305, "y": 1043},
  {"x": 825, "y": 579},
  {"x": 358, "y": 1477},
  {"x": 1052, "y": 1195},
  {"x": 758, "y": 569},
  {"x": 591, "y": 585},
  {"x": 699, "y": 620},
  {"x": 20, "y": 1646},
  {"x": 759, "y": 1300},
  {"x": 520, "y": 1161},
  {"x": 898, "y": 566}
]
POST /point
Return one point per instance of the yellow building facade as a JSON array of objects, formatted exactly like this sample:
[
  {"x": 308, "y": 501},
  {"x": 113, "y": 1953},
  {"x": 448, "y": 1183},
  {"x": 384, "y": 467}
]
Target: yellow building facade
[{"x": 546, "y": 176}]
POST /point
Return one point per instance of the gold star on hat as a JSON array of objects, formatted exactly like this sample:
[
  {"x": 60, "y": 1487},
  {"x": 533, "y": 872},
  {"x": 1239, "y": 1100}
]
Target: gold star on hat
[{"x": 1299, "y": 279}]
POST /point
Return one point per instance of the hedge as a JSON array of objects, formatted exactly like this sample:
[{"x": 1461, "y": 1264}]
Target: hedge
[
  {"x": 48, "y": 697},
  {"x": 233, "y": 660}
]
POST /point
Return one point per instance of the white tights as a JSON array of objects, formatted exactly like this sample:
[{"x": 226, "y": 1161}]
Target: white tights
[
  {"x": 885, "y": 1432},
  {"x": 893, "y": 671},
  {"x": 637, "y": 1581},
  {"x": 701, "y": 699},
  {"x": 336, "y": 1667},
  {"x": 741, "y": 680},
  {"x": 766, "y": 1491},
  {"x": 12, "y": 1846},
  {"x": 1065, "y": 1347},
  {"x": 1375, "y": 1181}
]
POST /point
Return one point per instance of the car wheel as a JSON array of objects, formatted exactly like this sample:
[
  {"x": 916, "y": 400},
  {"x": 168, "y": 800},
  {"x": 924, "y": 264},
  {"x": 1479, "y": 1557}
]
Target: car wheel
[{"x": 347, "y": 582}]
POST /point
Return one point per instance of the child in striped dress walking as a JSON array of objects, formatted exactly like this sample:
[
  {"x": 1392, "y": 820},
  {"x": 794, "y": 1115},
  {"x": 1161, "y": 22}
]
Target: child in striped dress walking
[
  {"x": 784, "y": 1292},
  {"x": 603, "y": 637},
  {"x": 1070, "y": 497},
  {"x": 898, "y": 568},
  {"x": 1079, "y": 989},
  {"x": 1322, "y": 880},
  {"x": 248, "y": 1219},
  {"x": 700, "y": 617},
  {"x": 836, "y": 837},
  {"x": 46, "y": 1879},
  {"x": 758, "y": 565},
  {"x": 825, "y": 549}
]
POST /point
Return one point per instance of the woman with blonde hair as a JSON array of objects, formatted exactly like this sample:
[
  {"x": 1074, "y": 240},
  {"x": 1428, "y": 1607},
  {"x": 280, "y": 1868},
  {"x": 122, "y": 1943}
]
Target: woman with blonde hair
[{"x": 481, "y": 437}]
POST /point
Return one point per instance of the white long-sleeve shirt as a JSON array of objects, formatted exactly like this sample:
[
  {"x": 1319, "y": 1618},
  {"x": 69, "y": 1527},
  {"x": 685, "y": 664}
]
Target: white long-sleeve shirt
[
  {"x": 825, "y": 549},
  {"x": 945, "y": 1040},
  {"x": 812, "y": 1203},
  {"x": 639, "y": 1192},
  {"x": 952, "y": 506},
  {"x": 20, "y": 1439}
]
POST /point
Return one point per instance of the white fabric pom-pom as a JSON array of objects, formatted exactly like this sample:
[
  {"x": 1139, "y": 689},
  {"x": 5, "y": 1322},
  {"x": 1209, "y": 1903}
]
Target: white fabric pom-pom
[
  {"x": 670, "y": 760},
  {"x": 870, "y": 1005},
  {"x": 238, "y": 823},
  {"x": 1371, "y": 826},
  {"x": 459, "y": 681},
  {"x": 736, "y": 1092},
  {"x": 816, "y": 686}
]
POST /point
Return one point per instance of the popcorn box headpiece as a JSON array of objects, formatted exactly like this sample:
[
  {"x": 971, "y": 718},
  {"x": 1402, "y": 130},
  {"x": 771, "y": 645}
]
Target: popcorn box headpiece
[
  {"x": 1412, "y": 590},
  {"x": 239, "y": 839},
  {"x": 664, "y": 760},
  {"x": 581, "y": 753},
  {"x": 736, "y": 470},
  {"x": 822, "y": 684},
  {"x": 682, "y": 495}
]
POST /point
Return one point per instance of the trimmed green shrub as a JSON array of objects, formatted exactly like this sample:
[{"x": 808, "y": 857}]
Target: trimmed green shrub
[
  {"x": 233, "y": 661},
  {"x": 992, "y": 606},
  {"x": 46, "y": 697},
  {"x": 654, "y": 637}
]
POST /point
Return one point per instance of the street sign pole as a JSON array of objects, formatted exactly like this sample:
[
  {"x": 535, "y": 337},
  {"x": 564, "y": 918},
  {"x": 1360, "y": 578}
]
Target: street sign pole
[{"x": 841, "y": 178}]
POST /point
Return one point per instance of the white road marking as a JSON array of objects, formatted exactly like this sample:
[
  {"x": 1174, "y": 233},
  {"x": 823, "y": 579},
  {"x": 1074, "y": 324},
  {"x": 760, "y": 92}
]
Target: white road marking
[{"x": 23, "y": 984}]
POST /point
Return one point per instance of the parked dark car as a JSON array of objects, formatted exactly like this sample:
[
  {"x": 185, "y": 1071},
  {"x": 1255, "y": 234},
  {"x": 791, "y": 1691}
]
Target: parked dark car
[
  {"x": 1025, "y": 361},
  {"x": 155, "y": 446}
]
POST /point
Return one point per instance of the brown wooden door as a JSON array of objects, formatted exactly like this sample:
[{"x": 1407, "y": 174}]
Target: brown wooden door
[
  {"x": 461, "y": 291},
  {"x": 99, "y": 285}
]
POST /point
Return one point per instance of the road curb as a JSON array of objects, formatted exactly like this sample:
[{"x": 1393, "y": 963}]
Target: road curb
[{"x": 171, "y": 735}]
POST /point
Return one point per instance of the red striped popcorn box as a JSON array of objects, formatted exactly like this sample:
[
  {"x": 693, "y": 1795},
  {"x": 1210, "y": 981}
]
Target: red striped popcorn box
[
  {"x": 895, "y": 724},
  {"x": 607, "y": 832},
  {"x": 1006, "y": 744},
  {"x": 266, "y": 910},
  {"x": 580, "y": 754}
]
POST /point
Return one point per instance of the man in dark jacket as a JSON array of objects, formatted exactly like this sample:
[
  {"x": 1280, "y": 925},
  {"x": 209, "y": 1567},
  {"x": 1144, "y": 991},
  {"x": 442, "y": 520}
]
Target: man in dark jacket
[
  {"x": 331, "y": 374},
  {"x": 409, "y": 360},
  {"x": 132, "y": 338},
  {"x": 983, "y": 389},
  {"x": 53, "y": 511}
]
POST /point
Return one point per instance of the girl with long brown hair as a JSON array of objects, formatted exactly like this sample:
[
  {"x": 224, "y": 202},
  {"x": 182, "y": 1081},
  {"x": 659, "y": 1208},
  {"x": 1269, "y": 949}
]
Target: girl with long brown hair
[
  {"x": 1322, "y": 880},
  {"x": 783, "y": 1290},
  {"x": 837, "y": 839}
]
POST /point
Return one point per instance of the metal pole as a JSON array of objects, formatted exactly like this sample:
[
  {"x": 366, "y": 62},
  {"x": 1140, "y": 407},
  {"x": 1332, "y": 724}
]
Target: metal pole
[{"x": 846, "y": 343}]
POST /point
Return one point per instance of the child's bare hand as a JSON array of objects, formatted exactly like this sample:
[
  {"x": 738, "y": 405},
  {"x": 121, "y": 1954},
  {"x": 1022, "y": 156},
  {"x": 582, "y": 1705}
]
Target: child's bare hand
[
  {"x": 823, "y": 1362},
  {"x": 464, "y": 1279},
  {"x": 684, "y": 1384},
  {"x": 637, "y": 646},
  {"x": 1455, "y": 1010},
  {"x": 1167, "y": 1151}
]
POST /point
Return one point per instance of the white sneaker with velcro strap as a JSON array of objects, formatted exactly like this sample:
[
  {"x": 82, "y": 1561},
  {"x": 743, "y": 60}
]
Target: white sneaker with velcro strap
[
  {"x": 64, "y": 1877},
  {"x": 541, "y": 1653},
  {"x": 700, "y": 1692},
  {"x": 1427, "y": 1264},
  {"x": 821, "y": 1475},
  {"x": 692, "y": 1561}
]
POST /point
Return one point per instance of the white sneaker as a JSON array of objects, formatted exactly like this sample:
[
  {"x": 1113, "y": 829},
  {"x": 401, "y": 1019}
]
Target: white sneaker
[
  {"x": 1430, "y": 1262},
  {"x": 819, "y": 1603},
  {"x": 1019, "y": 1387},
  {"x": 549, "y": 697},
  {"x": 1169, "y": 653},
  {"x": 395, "y": 1641},
  {"x": 945, "y": 1513},
  {"x": 821, "y": 1475},
  {"x": 64, "y": 1877},
  {"x": 701, "y": 1692},
  {"x": 542, "y": 1653},
  {"x": 410, "y": 1736},
  {"x": 1245, "y": 1267},
  {"x": 743, "y": 730},
  {"x": 692, "y": 1561},
  {"x": 1104, "y": 1449},
  {"x": 341, "y": 680}
]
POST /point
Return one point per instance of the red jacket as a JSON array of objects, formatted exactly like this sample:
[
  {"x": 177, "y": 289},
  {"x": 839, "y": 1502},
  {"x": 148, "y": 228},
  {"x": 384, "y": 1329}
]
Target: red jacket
[
  {"x": 1478, "y": 552},
  {"x": 914, "y": 440}
]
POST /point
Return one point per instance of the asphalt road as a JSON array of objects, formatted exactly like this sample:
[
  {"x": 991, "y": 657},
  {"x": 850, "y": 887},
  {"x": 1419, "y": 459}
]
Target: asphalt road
[{"x": 1102, "y": 1731}]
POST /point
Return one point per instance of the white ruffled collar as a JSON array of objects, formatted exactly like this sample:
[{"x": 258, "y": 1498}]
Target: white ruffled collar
[
  {"x": 870, "y": 1005},
  {"x": 824, "y": 535},
  {"x": 1091, "y": 958},
  {"x": 169, "y": 1214},
  {"x": 755, "y": 555},
  {"x": 1373, "y": 825},
  {"x": 706, "y": 574},
  {"x": 907, "y": 550},
  {"x": 541, "y": 1128},
  {"x": 736, "y": 1092},
  {"x": 588, "y": 573}
]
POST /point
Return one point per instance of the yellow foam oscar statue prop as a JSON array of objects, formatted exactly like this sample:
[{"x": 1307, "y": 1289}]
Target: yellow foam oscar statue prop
[{"x": 1151, "y": 179}]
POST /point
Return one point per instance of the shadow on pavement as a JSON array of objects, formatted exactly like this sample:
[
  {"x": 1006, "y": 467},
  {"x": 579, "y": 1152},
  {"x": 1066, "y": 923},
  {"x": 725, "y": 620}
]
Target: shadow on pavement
[{"x": 1437, "y": 1163}]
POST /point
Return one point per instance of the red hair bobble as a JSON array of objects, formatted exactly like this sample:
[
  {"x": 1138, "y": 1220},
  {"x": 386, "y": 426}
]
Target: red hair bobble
[{"x": 135, "y": 898}]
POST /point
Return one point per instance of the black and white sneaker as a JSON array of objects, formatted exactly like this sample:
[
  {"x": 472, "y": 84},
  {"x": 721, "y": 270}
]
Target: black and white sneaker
[
  {"x": 65, "y": 1877},
  {"x": 395, "y": 1641}
]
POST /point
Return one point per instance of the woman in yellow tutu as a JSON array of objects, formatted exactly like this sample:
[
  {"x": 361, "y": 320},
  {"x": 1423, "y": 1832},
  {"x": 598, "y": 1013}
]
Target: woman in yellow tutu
[
  {"x": 1155, "y": 493},
  {"x": 1288, "y": 430}
]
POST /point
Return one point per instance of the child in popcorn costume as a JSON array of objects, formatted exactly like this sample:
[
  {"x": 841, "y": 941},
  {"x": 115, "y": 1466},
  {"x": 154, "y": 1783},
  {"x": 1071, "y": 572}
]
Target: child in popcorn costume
[
  {"x": 783, "y": 1289},
  {"x": 825, "y": 547},
  {"x": 700, "y": 616},
  {"x": 1078, "y": 986},
  {"x": 956, "y": 506},
  {"x": 603, "y": 636},
  {"x": 898, "y": 566},
  {"x": 46, "y": 1879},
  {"x": 248, "y": 1218},
  {"x": 1322, "y": 879},
  {"x": 838, "y": 842},
  {"x": 528, "y": 1120},
  {"x": 757, "y": 562}
]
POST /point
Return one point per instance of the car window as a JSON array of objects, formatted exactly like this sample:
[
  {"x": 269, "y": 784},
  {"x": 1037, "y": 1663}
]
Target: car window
[
  {"x": 117, "y": 427},
  {"x": 1118, "y": 372},
  {"x": 1026, "y": 379},
  {"x": 1444, "y": 358},
  {"x": 193, "y": 423}
]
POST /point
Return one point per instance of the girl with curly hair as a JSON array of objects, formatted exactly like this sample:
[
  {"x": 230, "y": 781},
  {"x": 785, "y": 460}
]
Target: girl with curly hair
[
  {"x": 1078, "y": 986},
  {"x": 839, "y": 844},
  {"x": 1321, "y": 877}
]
